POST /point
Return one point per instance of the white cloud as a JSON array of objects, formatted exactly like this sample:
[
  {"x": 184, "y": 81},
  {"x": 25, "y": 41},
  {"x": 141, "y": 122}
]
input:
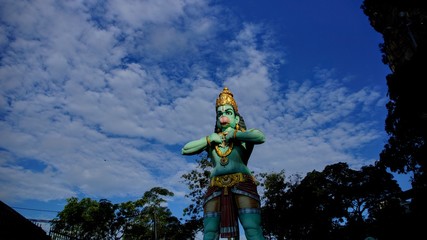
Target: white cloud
[{"x": 135, "y": 12}]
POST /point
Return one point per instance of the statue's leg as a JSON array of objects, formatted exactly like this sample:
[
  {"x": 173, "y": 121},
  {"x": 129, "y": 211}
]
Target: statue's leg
[
  {"x": 211, "y": 220},
  {"x": 250, "y": 217}
]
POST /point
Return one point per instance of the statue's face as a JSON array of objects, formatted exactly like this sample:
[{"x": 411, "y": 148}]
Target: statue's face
[{"x": 226, "y": 117}]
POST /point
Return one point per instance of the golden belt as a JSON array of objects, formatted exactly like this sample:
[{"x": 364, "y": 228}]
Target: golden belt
[{"x": 229, "y": 180}]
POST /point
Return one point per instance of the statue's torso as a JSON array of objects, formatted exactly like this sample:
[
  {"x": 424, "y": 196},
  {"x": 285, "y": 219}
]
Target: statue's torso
[{"x": 235, "y": 161}]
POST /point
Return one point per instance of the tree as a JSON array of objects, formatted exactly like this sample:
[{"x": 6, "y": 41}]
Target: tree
[
  {"x": 197, "y": 181},
  {"x": 86, "y": 219},
  {"x": 145, "y": 218},
  {"x": 126, "y": 215},
  {"x": 152, "y": 220},
  {"x": 315, "y": 204},
  {"x": 372, "y": 190},
  {"x": 337, "y": 203},
  {"x": 276, "y": 203},
  {"x": 404, "y": 30}
]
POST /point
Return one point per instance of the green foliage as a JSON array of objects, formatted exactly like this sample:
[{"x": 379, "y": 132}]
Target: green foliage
[
  {"x": 87, "y": 219},
  {"x": 337, "y": 203},
  {"x": 144, "y": 218},
  {"x": 276, "y": 203},
  {"x": 404, "y": 30},
  {"x": 197, "y": 181},
  {"x": 402, "y": 24}
]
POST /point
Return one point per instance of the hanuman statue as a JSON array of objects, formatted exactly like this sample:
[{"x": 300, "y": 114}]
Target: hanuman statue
[{"x": 232, "y": 194}]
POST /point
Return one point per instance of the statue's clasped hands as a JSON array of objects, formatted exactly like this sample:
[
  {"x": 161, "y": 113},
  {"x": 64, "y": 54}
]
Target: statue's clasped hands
[
  {"x": 215, "y": 138},
  {"x": 223, "y": 137}
]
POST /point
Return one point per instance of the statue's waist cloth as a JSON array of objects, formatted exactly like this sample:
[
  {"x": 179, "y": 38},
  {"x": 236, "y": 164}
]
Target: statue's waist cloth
[{"x": 226, "y": 187}]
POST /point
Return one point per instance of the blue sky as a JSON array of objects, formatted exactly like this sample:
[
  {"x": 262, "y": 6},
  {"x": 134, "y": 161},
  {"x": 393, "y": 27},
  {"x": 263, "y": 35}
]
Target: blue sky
[{"x": 98, "y": 97}]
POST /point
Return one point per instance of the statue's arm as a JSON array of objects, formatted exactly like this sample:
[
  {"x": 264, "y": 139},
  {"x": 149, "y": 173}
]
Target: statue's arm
[
  {"x": 254, "y": 136},
  {"x": 195, "y": 147}
]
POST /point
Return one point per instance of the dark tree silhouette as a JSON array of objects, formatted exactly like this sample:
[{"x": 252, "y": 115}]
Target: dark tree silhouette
[
  {"x": 144, "y": 218},
  {"x": 197, "y": 181},
  {"x": 403, "y": 25},
  {"x": 275, "y": 204},
  {"x": 337, "y": 203}
]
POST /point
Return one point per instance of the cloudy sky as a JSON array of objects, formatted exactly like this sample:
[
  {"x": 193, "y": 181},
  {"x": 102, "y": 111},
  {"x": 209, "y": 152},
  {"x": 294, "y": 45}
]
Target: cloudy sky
[{"x": 98, "y": 97}]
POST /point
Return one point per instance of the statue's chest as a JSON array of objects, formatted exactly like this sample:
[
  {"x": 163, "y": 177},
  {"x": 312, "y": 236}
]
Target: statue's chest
[{"x": 226, "y": 155}]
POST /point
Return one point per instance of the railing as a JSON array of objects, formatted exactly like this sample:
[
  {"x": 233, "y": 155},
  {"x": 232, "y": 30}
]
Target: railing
[
  {"x": 60, "y": 236},
  {"x": 54, "y": 235}
]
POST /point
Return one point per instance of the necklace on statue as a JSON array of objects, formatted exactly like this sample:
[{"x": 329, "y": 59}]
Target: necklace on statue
[{"x": 223, "y": 156}]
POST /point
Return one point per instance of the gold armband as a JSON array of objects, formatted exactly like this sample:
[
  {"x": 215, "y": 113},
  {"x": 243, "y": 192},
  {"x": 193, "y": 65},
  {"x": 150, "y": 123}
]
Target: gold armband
[{"x": 207, "y": 141}]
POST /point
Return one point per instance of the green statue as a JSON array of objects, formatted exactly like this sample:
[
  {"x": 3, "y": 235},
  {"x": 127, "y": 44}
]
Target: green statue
[{"x": 232, "y": 194}]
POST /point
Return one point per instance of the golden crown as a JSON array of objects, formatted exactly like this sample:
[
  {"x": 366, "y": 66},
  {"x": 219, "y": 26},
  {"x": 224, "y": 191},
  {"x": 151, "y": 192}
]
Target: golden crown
[{"x": 226, "y": 97}]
